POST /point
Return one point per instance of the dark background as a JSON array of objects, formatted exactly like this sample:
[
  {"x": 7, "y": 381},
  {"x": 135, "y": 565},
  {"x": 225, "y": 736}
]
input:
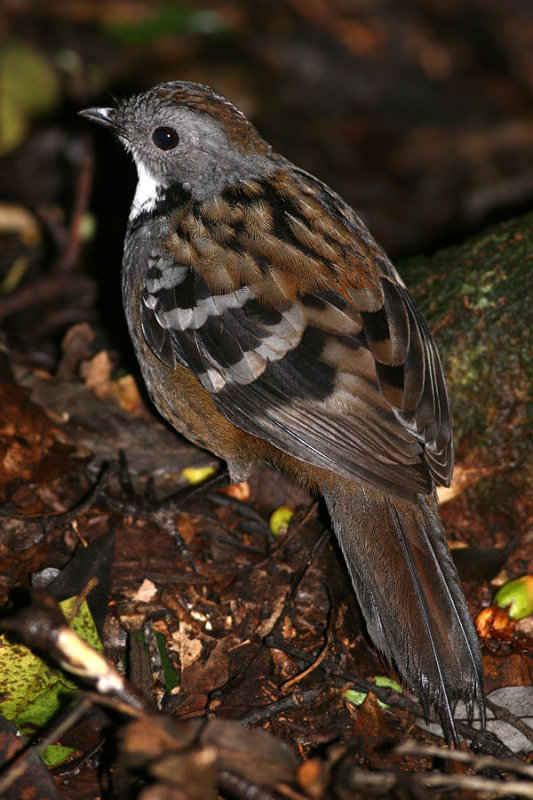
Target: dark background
[{"x": 419, "y": 113}]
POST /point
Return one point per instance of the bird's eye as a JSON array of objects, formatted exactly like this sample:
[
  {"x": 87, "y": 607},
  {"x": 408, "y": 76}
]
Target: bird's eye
[{"x": 165, "y": 138}]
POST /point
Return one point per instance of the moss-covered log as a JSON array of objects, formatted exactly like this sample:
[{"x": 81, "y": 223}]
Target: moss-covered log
[{"x": 478, "y": 300}]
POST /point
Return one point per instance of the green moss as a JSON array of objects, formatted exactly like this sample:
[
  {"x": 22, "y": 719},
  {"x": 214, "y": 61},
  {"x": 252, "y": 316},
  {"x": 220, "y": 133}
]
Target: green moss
[{"x": 477, "y": 298}]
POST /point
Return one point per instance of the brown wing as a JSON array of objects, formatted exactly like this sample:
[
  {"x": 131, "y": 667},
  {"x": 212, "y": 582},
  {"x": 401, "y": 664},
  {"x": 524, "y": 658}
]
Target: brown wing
[{"x": 299, "y": 326}]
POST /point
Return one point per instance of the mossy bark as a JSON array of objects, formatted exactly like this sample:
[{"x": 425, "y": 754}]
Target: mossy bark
[{"x": 478, "y": 300}]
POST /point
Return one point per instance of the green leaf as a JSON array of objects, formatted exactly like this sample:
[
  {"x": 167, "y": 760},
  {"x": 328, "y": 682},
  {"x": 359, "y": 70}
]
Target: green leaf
[
  {"x": 82, "y": 623},
  {"x": 55, "y": 754},
  {"x": 517, "y": 597},
  {"x": 29, "y": 85},
  {"x": 34, "y": 690},
  {"x": 354, "y": 697},
  {"x": 280, "y": 520},
  {"x": 170, "y": 676},
  {"x": 389, "y": 683}
]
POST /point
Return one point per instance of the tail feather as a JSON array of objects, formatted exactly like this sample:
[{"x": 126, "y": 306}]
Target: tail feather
[{"x": 409, "y": 592}]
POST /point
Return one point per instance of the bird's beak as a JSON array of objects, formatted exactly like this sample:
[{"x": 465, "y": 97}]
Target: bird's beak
[{"x": 103, "y": 116}]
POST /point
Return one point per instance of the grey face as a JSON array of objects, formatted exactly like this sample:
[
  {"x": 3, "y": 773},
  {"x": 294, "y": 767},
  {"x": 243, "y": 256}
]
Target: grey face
[{"x": 173, "y": 143}]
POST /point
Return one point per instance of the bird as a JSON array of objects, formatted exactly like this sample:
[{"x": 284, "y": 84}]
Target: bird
[{"x": 270, "y": 327}]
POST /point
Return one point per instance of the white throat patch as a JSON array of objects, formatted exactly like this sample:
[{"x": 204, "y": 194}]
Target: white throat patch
[{"x": 146, "y": 193}]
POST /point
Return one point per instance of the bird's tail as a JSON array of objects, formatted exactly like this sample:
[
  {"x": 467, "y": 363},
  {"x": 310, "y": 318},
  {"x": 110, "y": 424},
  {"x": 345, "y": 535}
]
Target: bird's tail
[{"x": 409, "y": 592}]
